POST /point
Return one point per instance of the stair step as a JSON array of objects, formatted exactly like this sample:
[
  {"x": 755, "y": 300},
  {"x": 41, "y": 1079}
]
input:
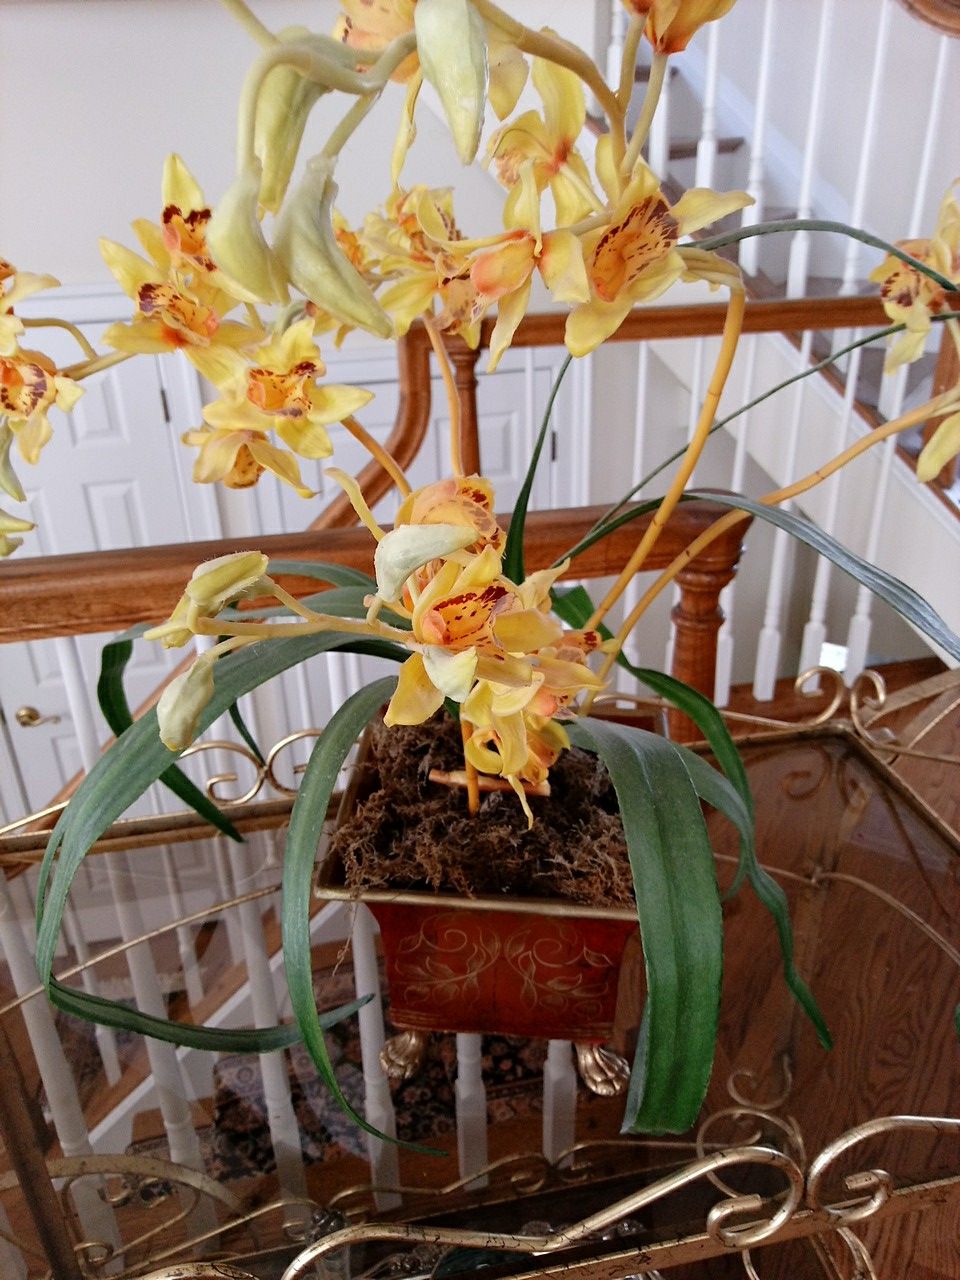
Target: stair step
[{"x": 686, "y": 148}]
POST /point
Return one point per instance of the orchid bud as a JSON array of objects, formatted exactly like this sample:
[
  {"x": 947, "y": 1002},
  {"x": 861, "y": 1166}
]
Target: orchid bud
[
  {"x": 8, "y": 477},
  {"x": 215, "y": 583},
  {"x": 283, "y": 106},
  {"x": 236, "y": 241},
  {"x": 12, "y": 524},
  {"x": 409, "y": 547},
  {"x": 183, "y": 701},
  {"x": 307, "y": 246},
  {"x": 453, "y": 56}
]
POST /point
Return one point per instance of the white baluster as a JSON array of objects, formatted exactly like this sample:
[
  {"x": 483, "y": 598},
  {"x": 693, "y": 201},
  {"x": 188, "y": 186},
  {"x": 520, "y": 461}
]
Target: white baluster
[
  {"x": 165, "y": 1067},
  {"x": 625, "y": 681},
  {"x": 768, "y": 648},
  {"x": 186, "y": 946},
  {"x": 866, "y": 165},
  {"x": 13, "y": 1265},
  {"x": 618, "y": 31},
  {"x": 707, "y": 142},
  {"x": 96, "y": 1217},
  {"x": 693, "y": 414},
  {"x": 281, "y": 1117},
  {"x": 756, "y": 179},
  {"x": 105, "y": 1036},
  {"x": 798, "y": 268},
  {"x": 471, "y": 1102},
  {"x": 893, "y": 388},
  {"x": 658, "y": 144},
  {"x": 378, "y": 1105},
  {"x": 858, "y": 636},
  {"x": 559, "y": 1100},
  {"x": 725, "y": 641},
  {"x": 815, "y": 631}
]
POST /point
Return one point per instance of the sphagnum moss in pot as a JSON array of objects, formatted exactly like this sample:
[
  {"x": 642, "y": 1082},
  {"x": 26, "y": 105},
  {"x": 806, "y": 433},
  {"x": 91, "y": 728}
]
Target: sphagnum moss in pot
[{"x": 511, "y": 659}]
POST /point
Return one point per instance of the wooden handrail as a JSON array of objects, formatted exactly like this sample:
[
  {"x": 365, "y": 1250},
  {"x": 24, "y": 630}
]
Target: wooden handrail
[
  {"x": 944, "y": 15},
  {"x": 105, "y": 591}
]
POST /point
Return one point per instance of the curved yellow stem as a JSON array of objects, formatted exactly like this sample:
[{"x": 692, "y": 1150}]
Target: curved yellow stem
[
  {"x": 773, "y": 499},
  {"x": 51, "y": 322},
  {"x": 628, "y": 66},
  {"x": 728, "y": 348},
  {"x": 377, "y": 451},
  {"x": 658, "y": 71},
  {"x": 85, "y": 368},
  {"x": 453, "y": 399},
  {"x": 249, "y": 21},
  {"x": 543, "y": 44},
  {"x": 473, "y": 782}
]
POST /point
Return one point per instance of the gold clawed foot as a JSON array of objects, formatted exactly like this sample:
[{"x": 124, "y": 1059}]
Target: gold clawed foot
[
  {"x": 402, "y": 1055},
  {"x": 601, "y": 1070}
]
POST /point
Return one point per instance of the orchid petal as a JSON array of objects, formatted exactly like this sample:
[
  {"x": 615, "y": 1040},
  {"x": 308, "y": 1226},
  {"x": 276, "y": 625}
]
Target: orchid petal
[
  {"x": 562, "y": 267},
  {"x": 410, "y": 546},
  {"x": 527, "y": 630},
  {"x": 452, "y": 673},
  {"x": 416, "y": 697}
]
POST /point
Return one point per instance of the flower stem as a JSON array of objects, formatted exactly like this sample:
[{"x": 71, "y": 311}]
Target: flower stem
[
  {"x": 346, "y": 127},
  {"x": 658, "y": 71},
  {"x": 543, "y": 44},
  {"x": 841, "y": 228},
  {"x": 453, "y": 399},
  {"x": 376, "y": 450},
  {"x": 772, "y": 499},
  {"x": 628, "y": 66},
  {"x": 282, "y": 630},
  {"x": 473, "y": 782},
  {"x": 51, "y": 322},
  {"x": 728, "y": 348},
  {"x": 249, "y": 21},
  {"x": 86, "y": 368}
]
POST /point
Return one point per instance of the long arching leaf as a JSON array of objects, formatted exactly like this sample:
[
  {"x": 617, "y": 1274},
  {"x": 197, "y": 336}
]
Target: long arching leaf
[
  {"x": 678, "y": 905},
  {"x": 112, "y": 698},
  {"x": 306, "y": 821},
  {"x": 131, "y": 764},
  {"x": 907, "y": 602},
  {"x": 513, "y": 566}
]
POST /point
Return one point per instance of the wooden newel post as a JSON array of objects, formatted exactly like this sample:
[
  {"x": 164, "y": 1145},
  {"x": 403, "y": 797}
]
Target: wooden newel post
[
  {"x": 698, "y": 617},
  {"x": 465, "y": 375},
  {"x": 27, "y": 1161}
]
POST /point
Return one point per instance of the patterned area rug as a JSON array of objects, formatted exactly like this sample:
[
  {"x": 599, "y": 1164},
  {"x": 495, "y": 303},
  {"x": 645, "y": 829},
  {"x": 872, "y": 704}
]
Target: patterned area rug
[{"x": 237, "y": 1144}]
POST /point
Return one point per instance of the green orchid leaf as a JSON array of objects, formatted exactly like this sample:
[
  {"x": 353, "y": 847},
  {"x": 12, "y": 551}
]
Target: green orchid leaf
[
  {"x": 907, "y": 602},
  {"x": 112, "y": 698},
  {"x": 138, "y": 758},
  {"x": 214, "y": 1039},
  {"x": 338, "y": 575},
  {"x": 513, "y": 565},
  {"x": 306, "y": 820},
  {"x": 730, "y": 795},
  {"x": 241, "y": 726},
  {"x": 718, "y": 792},
  {"x": 678, "y": 906}
]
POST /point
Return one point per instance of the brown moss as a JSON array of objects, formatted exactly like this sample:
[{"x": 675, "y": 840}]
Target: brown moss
[{"x": 412, "y": 833}]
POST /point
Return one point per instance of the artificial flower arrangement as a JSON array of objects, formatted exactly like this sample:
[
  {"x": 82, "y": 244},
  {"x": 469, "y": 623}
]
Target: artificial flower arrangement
[{"x": 512, "y": 658}]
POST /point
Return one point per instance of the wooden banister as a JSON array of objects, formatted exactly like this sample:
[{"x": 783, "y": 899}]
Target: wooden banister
[{"x": 105, "y": 591}]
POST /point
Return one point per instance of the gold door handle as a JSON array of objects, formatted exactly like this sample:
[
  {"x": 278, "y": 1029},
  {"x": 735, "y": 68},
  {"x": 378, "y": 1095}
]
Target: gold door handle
[{"x": 30, "y": 717}]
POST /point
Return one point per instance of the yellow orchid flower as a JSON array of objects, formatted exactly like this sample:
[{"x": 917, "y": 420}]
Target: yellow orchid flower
[
  {"x": 372, "y": 24},
  {"x": 909, "y": 297},
  {"x": 671, "y": 24},
  {"x": 634, "y": 257},
  {"x": 414, "y": 245},
  {"x": 12, "y": 525},
  {"x": 465, "y": 500},
  {"x": 549, "y": 141},
  {"x": 170, "y": 318},
  {"x": 14, "y": 287},
  {"x": 278, "y": 391},
  {"x": 29, "y": 387},
  {"x": 213, "y": 585},
  {"x": 504, "y": 274}
]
